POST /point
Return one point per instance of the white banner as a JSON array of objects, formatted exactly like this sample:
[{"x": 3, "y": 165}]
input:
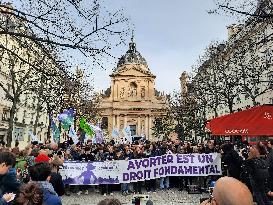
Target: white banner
[{"x": 121, "y": 171}]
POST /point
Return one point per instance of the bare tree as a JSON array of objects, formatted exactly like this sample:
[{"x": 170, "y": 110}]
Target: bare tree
[
  {"x": 163, "y": 126},
  {"x": 82, "y": 28},
  {"x": 39, "y": 40},
  {"x": 252, "y": 68},
  {"x": 22, "y": 78},
  {"x": 243, "y": 9}
]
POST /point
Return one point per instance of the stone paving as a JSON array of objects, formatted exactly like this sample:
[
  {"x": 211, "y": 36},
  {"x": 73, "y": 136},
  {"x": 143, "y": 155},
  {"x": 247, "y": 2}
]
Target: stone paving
[{"x": 173, "y": 197}]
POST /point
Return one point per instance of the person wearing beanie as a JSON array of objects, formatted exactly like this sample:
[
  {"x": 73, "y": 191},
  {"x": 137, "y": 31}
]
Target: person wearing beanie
[
  {"x": 55, "y": 177},
  {"x": 41, "y": 158}
]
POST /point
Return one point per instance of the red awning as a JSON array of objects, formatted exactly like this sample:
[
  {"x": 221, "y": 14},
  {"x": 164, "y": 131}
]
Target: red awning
[{"x": 255, "y": 121}]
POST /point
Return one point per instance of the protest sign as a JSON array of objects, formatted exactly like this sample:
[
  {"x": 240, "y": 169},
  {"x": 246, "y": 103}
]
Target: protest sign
[{"x": 122, "y": 171}]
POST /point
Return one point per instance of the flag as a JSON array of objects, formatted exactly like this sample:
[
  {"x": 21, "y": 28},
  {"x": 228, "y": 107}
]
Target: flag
[
  {"x": 86, "y": 127},
  {"x": 94, "y": 141},
  {"x": 126, "y": 131},
  {"x": 66, "y": 118},
  {"x": 115, "y": 133},
  {"x": 127, "y": 134},
  {"x": 73, "y": 135},
  {"x": 34, "y": 138},
  {"x": 55, "y": 131},
  {"x": 99, "y": 138},
  {"x": 129, "y": 138}
]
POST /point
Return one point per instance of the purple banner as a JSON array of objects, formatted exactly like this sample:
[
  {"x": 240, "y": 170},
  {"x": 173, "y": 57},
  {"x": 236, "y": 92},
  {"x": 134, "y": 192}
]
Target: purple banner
[{"x": 115, "y": 172}]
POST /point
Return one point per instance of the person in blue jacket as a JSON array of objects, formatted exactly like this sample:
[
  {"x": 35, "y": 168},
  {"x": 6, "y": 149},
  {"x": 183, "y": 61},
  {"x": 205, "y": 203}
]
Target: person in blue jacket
[
  {"x": 8, "y": 182},
  {"x": 40, "y": 173}
]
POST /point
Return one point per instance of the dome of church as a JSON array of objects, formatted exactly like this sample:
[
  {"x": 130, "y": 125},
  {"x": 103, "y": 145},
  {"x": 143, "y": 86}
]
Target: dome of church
[{"x": 132, "y": 56}]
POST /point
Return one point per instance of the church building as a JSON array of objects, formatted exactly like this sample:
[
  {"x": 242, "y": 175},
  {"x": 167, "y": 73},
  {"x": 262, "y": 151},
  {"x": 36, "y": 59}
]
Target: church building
[{"x": 132, "y": 99}]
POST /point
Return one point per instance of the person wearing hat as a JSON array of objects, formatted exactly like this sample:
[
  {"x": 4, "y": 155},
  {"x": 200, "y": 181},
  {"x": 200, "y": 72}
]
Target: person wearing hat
[
  {"x": 55, "y": 177},
  {"x": 42, "y": 158}
]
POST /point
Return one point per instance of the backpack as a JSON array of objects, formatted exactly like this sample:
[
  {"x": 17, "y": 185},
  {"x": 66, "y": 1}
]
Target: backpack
[{"x": 260, "y": 170}]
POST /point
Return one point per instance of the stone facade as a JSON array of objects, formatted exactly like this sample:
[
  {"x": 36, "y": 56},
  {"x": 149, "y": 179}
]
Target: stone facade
[{"x": 132, "y": 100}]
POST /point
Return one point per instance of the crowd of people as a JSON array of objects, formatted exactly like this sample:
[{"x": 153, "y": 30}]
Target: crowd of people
[{"x": 32, "y": 174}]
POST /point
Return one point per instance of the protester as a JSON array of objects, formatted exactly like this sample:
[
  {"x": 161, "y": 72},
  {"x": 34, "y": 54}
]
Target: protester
[
  {"x": 262, "y": 149},
  {"x": 55, "y": 154},
  {"x": 40, "y": 173},
  {"x": 16, "y": 149},
  {"x": 229, "y": 191},
  {"x": 210, "y": 148},
  {"x": 258, "y": 172},
  {"x": 2, "y": 146},
  {"x": 55, "y": 177},
  {"x": 269, "y": 160},
  {"x": 138, "y": 154},
  {"x": 151, "y": 152},
  {"x": 8, "y": 183},
  {"x": 232, "y": 159},
  {"x": 30, "y": 194}
]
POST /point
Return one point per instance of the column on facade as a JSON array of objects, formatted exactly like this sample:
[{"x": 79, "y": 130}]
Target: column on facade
[
  {"x": 125, "y": 120},
  {"x": 138, "y": 90},
  {"x": 126, "y": 89},
  {"x": 138, "y": 125},
  {"x": 112, "y": 89},
  {"x": 147, "y": 126},
  {"x": 148, "y": 89},
  {"x": 118, "y": 122},
  {"x": 150, "y": 126},
  {"x": 114, "y": 122},
  {"x": 116, "y": 91}
]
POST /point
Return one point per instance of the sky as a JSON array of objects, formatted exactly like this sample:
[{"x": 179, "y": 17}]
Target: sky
[{"x": 170, "y": 35}]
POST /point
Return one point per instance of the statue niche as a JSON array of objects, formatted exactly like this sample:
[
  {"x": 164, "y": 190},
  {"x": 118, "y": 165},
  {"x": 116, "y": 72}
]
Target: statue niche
[
  {"x": 132, "y": 92},
  {"x": 142, "y": 93}
]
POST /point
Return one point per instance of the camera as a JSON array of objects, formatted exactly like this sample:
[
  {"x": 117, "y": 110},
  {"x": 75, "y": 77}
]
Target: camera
[{"x": 140, "y": 199}]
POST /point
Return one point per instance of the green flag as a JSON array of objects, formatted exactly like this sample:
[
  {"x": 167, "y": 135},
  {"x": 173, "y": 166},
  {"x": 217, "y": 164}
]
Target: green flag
[{"x": 86, "y": 127}]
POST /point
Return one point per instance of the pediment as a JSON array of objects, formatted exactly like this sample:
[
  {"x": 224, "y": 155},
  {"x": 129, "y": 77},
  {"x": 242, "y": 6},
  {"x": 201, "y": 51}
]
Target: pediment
[{"x": 134, "y": 71}]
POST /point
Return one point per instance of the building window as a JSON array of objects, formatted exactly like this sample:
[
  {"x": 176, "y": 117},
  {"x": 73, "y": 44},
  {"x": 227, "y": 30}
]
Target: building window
[
  {"x": 5, "y": 115},
  {"x": 104, "y": 123},
  {"x": 18, "y": 134},
  {"x": 246, "y": 96}
]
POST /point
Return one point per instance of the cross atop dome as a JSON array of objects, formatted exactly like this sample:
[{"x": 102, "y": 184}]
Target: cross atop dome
[
  {"x": 132, "y": 57},
  {"x": 132, "y": 44}
]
